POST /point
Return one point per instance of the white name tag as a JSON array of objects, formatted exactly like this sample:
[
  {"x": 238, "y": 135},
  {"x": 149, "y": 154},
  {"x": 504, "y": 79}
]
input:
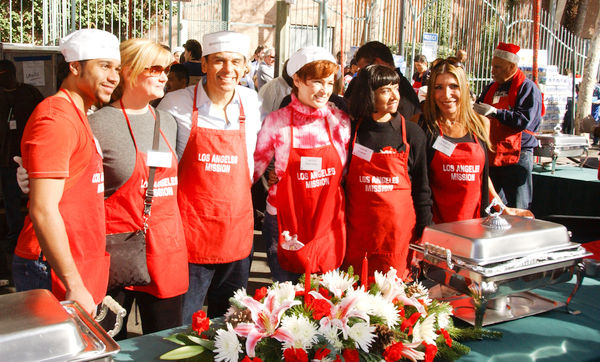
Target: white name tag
[
  {"x": 310, "y": 163},
  {"x": 12, "y": 124},
  {"x": 159, "y": 159},
  {"x": 97, "y": 144},
  {"x": 444, "y": 146},
  {"x": 363, "y": 152},
  {"x": 496, "y": 99}
]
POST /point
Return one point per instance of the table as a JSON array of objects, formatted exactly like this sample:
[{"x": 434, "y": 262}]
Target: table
[
  {"x": 551, "y": 336},
  {"x": 570, "y": 190}
]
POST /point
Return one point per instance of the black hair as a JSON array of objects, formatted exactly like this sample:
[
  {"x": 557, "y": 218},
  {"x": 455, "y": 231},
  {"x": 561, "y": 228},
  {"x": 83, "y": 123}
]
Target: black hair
[
  {"x": 368, "y": 80},
  {"x": 180, "y": 72},
  {"x": 286, "y": 76},
  {"x": 194, "y": 47},
  {"x": 353, "y": 62},
  {"x": 375, "y": 49},
  {"x": 9, "y": 77},
  {"x": 421, "y": 59}
]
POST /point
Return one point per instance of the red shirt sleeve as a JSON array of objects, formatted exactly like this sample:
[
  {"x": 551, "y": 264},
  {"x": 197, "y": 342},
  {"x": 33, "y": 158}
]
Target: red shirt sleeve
[{"x": 50, "y": 139}]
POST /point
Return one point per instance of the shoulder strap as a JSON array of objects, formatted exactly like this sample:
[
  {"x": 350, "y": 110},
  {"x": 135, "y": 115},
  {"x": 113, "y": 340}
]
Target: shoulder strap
[{"x": 150, "y": 188}]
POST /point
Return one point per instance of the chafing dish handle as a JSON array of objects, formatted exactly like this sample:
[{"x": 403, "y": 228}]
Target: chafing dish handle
[
  {"x": 439, "y": 251},
  {"x": 580, "y": 271},
  {"x": 108, "y": 303}
]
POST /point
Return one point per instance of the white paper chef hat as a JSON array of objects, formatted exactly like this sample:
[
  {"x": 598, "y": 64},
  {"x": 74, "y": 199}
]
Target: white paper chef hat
[
  {"x": 225, "y": 41},
  {"x": 305, "y": 56},
  {"x": 87, "y": 44}
]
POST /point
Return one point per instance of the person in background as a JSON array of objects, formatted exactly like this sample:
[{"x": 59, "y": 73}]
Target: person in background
[
  {"x": 125, "y": 131},
  {"x": 457, "y": 145},
  {"x": 387, "y": 189},
  {"x": 309, "y": 140},
  {"x": 66, "y": 222},
  {"x": 514, "y": 105},
  {"x": 596, "y": 114},
  {"x": 256, "y": 59},
  {"x": 272, "y": 93},
  {"x": 375, "y": 52},
  {"x": 178, "y": 78},
  {"x": 177, "y": 52},
  {"x": 246, "y": 80},
  {"x": 461, "y": 56},
  {"x": 421, "y": 75},
  {"x": 265, "y": 70},
  {"x": 217, "y": 124},
  {"x": 17, "y": 102},
  {"x": 193, "y": 56}
]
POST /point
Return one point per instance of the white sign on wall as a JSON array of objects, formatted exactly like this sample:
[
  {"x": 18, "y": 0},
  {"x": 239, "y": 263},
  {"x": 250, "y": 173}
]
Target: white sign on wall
[
  {"x": 33, "y": 73},
  {"x": 430, "y": 46}
]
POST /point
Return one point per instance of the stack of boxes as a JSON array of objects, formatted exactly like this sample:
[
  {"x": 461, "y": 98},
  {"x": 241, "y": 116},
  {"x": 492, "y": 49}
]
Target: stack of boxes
[{"x": 557, "y": 89}]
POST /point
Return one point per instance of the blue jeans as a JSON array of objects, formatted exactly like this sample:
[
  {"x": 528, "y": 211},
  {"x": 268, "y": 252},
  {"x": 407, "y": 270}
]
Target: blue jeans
[
  {"x": 12, "y": 203},
  {"x": 270, "y": 233},
  {"x": 31, "y": 274},
  {"x": 216, "y": 283},
  {"x": 514, "y": 182}
]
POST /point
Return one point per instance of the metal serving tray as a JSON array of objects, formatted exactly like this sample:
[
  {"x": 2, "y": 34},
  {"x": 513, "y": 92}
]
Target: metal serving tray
[
  {"x": 34, "y": 326},
  {"x": 479, "y": 245}
]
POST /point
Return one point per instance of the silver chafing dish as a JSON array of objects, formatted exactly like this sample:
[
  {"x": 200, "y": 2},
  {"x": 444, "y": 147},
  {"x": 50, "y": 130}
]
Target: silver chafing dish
[
  {"x": 555, "y": 145},
  {"x": 494, "y": 262},
  {"x": 35, "y": 326}
]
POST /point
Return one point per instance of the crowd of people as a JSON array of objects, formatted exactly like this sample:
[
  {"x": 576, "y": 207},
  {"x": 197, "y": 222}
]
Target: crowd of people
[{"x": 346, "y": 178}]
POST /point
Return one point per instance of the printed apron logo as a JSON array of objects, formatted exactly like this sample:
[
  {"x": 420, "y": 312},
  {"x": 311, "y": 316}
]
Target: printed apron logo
[{"x": 218, "y": 163}]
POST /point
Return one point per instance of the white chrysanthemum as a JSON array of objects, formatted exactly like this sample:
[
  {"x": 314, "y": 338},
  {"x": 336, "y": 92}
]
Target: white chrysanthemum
[
  {"x": 239, "y": 294},
  {"x": 385, "y": 310},
  {"x": 337, "y": 282},
  {"x": 332, "y": 336},
  {"x": 227, "y": 345},
  {"x": 363, "y": 303},
  {"x": 302, "y": 330},
  {"x": 283, "y": 292},
  {"x": 443, "y": 320},
  {"x": 425, "y": 331},
  {"x": 362, "y": 334}
]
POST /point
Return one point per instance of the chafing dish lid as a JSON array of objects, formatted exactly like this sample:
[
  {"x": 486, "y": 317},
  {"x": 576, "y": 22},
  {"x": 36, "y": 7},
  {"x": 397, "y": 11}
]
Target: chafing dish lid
[
  {"x": 559, "y": 139},
  {"x": 477, "y": 244}
]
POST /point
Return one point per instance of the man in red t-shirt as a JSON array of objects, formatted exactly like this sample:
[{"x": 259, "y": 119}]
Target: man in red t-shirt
[{"x": 66, "y": 209}]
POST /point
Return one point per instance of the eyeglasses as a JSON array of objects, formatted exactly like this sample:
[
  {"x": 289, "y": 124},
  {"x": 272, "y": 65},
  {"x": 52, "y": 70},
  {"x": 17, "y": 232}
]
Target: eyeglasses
[
  {"x": 157, "y": 70},
  {"x": 450, "y": 60}
]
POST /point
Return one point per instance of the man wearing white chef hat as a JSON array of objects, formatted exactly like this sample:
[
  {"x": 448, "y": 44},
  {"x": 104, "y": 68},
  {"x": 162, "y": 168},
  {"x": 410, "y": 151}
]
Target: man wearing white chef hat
[
  {"x": 217, "y": 124},
  {"x": 66, "y": 224}
]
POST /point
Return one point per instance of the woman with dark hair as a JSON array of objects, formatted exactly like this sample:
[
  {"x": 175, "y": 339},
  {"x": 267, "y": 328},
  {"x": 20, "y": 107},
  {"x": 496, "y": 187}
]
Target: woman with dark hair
[
  {"x": 421, "y": 75},
  {"x": 388, "y": 196},
  {"x": 304, "y": 226},
  {"x": 457, "y": 139}
]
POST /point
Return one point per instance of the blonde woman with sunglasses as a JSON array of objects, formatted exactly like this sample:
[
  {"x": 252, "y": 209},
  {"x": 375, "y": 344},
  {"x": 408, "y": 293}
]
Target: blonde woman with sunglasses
[
  {"x": 125, "y": 130},
  {"x": 458, "y": 139}
]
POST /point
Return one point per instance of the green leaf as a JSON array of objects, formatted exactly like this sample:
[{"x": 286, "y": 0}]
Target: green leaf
[
  {"x": 178, "y": 338},
  {"x": 208, "y": 344},
  {"x": 183, "y": 352}
]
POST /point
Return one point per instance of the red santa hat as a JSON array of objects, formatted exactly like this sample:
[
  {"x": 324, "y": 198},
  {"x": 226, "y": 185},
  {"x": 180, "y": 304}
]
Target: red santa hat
[{"x": 507, "y": 52}]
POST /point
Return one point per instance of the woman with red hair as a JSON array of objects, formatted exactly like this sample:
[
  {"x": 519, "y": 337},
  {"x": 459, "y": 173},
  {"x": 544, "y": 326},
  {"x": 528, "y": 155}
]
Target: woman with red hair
[{"x": 304, "y": 226}]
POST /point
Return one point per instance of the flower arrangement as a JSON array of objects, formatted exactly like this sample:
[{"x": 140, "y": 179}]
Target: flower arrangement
[{"x": 326, "y": 318}]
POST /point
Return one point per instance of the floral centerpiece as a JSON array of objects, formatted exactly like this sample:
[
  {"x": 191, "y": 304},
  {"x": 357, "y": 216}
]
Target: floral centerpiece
[{"x": 327, "y": 318}]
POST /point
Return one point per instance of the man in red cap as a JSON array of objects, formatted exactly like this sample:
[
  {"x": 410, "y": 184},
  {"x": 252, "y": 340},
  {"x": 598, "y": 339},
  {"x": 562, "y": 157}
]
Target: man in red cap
[{"x": 514, "y": 105}]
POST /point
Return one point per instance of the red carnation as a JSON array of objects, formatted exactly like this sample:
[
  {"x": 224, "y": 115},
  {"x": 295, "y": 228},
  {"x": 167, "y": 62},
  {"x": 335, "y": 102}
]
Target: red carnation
[
  {"x": 199, "y": 322},
  {"x": 322, "y": 353},
  {"x": 430, "y": 352},
  {"x": 295, "y": 355},
  {"x": 259, "y": 294},
  {"x": 393, "y": 352},
  {"x": 350, "y": 355},
  {"x": 248, "y": 359},
  {"x": 446, "y": 336},
  {"x": 324, "y": 292},
  {"x": 410, "y": 322},
  {"x": 320, "y": 308}
]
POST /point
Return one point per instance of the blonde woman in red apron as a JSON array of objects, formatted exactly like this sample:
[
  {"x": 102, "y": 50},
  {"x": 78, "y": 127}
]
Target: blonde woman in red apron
[
  {"x": 387, "y": 190},
  {"x": 125, "y": 132},
  {"x": 458, "y": 139},
  {"x": 304, "y": 226}
]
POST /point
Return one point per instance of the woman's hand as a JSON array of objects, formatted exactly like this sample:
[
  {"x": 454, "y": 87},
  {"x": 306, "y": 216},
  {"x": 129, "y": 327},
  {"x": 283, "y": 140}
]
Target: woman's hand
[{"x": 518, "y": 212}]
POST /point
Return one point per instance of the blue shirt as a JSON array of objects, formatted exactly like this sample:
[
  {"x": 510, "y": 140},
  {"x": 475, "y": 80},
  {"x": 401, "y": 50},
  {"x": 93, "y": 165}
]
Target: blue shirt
[
  {"x": 596, "y": 107},
  {"x": 527, "y": 112}
]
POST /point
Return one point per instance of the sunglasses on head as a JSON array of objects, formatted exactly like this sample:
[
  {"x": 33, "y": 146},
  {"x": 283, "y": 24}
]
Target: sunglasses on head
[
  {"x": 157, "y": 70},
  {"x": 450, "y": 60}
]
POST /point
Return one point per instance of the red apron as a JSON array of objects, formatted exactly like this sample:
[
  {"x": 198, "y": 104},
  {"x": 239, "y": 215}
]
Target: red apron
[
  {"x": 456, "y": 182},
  {"x": 82, "y": 210},
  {"x": 310, "y": 204},
  {"x": 380, "y": 214},
  {"x": 166, "y": 253},
  {"x": 506, "y": 140},
  {"x": 214, "y": 194}
]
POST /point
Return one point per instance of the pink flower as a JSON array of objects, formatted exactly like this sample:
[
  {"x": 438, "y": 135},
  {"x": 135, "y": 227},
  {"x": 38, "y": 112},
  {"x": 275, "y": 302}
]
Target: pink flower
[
  {"x": 341, "y": 312},
  {"x": 266, "y": 318}
]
